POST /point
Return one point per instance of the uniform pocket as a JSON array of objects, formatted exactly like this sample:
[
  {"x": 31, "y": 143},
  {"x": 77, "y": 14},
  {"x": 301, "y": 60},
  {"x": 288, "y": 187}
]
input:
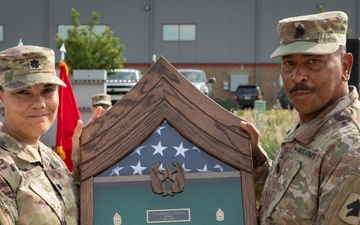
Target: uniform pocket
[
  {"x": 49, "y": 197},
  {"x": 37, "y": 194},
  {"x": 296, "y": 200},
  {"x": 285, "y": 181}
]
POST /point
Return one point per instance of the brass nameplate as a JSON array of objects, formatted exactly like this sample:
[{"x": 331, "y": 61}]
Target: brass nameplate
[{"x": 168, "y": 215}]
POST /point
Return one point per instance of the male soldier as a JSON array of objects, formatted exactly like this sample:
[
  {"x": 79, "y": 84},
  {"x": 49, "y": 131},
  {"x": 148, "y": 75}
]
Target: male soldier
[
  {"x": 315, "y": 178},
  {"x": 102, "y": 100}
]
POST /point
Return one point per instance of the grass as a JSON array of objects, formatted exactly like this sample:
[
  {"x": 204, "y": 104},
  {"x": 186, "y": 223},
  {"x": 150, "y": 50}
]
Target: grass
[{"x": 272, "y": 125}]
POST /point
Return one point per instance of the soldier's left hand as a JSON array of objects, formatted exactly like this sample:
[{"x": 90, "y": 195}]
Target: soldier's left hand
[{"x": 78, "y": 129}]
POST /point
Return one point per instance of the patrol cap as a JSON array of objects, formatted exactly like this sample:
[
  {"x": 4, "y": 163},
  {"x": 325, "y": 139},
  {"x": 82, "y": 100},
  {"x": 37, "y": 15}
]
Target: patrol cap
[
  {"x": 316, "y": 34},
  {"x": 27, "y": 65},
  {"x": 101, "y": 99}
]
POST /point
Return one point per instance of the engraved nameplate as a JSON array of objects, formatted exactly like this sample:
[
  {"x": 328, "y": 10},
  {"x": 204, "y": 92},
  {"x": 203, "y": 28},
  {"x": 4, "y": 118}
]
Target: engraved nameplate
[{"x": 168, "y": 215}]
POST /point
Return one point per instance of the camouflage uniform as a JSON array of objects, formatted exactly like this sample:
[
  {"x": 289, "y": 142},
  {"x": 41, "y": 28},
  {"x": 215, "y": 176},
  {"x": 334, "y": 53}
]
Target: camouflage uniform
[
  {"x": 35, "y": 185},
  {"x": 315, "y": 178},
  {"x": 316, "y": 174}
]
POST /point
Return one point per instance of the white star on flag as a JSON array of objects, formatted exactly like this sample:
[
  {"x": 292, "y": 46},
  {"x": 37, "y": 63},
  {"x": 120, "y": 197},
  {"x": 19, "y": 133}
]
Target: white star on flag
[
  {"x": 180, "y": 150},
  {"x": 116, "y": 170},
  {"x": 217, "y": 166},
  {"x": 159, "y": 149},
  {"x": 197, "y": 149},
  {"x": 166, "y": 145},
  {"x": 204, "y": 169},
  {"x": 159, "y": 130},
  {"x": 138, "y": 149},
  {"x": 161, "y": 167},
  {"x": 138, "y": 168},
  {"x": 186, "y": 170}
]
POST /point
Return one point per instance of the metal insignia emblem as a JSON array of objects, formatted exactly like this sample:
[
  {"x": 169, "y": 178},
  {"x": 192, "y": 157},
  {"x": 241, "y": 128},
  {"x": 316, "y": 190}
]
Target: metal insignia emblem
[
  {"x": 299, "y": 30},
  {"x": 219, "y": 215},
  {"x": 159, "y": 177},
  {"x": 35, "y": 64},
  {"x": 117, "y": 219}
]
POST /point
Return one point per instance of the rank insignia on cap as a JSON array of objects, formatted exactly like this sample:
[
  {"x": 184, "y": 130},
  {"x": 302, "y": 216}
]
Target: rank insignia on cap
[
  {"x": 299, "y": 30},
  {"x": 34, "y": 64}
]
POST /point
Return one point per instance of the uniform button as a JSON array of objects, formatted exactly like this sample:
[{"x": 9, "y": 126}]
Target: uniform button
[{"x": 59, "y": 186}]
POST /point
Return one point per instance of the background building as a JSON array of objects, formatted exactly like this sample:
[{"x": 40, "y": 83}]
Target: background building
[{"x": 229, "y": 39}]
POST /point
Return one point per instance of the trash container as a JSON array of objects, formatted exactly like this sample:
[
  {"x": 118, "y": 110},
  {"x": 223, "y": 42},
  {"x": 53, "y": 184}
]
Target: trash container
[{"x": 259, "y": 111}]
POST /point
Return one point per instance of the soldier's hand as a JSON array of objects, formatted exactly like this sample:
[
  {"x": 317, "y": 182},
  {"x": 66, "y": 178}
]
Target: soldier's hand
[
  {"x": 259, "y": 155},
  {"x": 78, "y": 129},
  {"x": 254, "y": 133}
]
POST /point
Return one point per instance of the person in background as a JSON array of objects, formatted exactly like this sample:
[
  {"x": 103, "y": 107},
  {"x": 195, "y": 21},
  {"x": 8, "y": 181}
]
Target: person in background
[
  {"x": 315, "y": 177},
  {"x": 35, "y": 185},
  {"x": 102, "y": 100}
]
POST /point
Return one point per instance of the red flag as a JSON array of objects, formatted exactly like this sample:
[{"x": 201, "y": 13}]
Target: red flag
[{"x": 68, "y": 115}]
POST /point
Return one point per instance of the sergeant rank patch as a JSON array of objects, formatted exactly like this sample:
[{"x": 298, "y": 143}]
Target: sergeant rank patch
[{"x": 299, "y": 30}]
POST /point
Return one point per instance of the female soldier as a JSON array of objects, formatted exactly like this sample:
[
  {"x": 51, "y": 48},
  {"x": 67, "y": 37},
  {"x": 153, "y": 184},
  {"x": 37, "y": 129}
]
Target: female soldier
[{"x": 35, "y": 185}]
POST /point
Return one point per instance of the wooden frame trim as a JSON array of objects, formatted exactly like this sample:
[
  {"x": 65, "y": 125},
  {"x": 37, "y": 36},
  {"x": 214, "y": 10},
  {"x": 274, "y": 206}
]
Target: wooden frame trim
[{"x": 164, "y": 94}]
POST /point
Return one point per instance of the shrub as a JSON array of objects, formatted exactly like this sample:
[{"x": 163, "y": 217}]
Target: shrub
[
  {"x": 86, "y": 49},
  {"x": 272, "y": 128}
]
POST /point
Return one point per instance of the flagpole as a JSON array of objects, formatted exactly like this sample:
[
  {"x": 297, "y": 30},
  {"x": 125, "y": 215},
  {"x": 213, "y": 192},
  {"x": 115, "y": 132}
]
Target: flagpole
[
  {"x": 20, "y": 43},
  {"x": 60, "y": 130},
  {"x": 68, "y": 114},
  {"x": 63, "y": 51}
]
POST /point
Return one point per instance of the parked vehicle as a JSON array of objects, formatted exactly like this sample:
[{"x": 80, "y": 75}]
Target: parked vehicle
[
  {"x": 284, "y": 100},
  {"x": 120, "y": 81},
  {"x": 245, "y": 95},
  {"x": 199, "y": 80}
]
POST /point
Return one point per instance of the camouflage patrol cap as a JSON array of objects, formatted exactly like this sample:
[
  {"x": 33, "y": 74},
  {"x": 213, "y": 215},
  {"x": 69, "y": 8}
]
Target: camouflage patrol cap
[
  {"x": 317, "y": 34},
  {"x": 27, "y": 65},
  {"x": 101, "y": 99}
]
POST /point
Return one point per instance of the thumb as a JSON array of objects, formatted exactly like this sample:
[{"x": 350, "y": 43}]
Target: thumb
[{"x": 76, "y": 138}]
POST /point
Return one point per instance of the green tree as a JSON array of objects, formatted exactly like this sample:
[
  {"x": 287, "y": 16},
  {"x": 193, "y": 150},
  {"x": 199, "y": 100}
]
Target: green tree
[{"x": 86, "y": 49}]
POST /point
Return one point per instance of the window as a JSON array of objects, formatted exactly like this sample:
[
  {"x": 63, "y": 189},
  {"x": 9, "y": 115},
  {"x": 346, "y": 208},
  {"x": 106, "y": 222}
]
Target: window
[
  {"x": 179, "y": 32},
  {"x": 62, "y": 29},
  {"x": 1, "y": 32}
]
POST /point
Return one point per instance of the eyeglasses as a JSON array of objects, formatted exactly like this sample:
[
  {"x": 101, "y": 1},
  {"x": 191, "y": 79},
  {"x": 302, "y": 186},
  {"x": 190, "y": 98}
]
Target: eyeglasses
[{"x": 104, "y": 106}]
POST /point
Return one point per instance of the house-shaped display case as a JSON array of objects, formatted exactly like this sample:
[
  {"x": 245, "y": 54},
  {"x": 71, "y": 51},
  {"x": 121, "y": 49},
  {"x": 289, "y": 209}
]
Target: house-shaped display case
[{"x": 166, "y": 153}]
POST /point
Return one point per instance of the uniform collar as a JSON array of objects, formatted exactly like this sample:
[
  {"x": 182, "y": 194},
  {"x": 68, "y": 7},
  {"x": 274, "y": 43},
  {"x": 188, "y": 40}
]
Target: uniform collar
[
  {"x": 28, "y": 153},
  {"x": 306, "y": 132}
]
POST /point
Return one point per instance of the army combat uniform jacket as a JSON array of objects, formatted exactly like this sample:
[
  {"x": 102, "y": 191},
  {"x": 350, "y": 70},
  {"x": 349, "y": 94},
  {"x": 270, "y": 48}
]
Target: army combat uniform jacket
[
  {"x": 35, "y": 186},
  {"x": 315, "y": 178}
]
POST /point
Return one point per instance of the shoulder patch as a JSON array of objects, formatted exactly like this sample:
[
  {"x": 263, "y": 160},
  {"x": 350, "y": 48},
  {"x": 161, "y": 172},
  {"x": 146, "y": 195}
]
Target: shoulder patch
[
  {"x": 350, "y": 212},
  {"x": 345, "y": 204}
]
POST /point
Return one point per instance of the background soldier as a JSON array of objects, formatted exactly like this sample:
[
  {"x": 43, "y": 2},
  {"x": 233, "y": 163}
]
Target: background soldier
[{"x": 102, "y": 100}]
